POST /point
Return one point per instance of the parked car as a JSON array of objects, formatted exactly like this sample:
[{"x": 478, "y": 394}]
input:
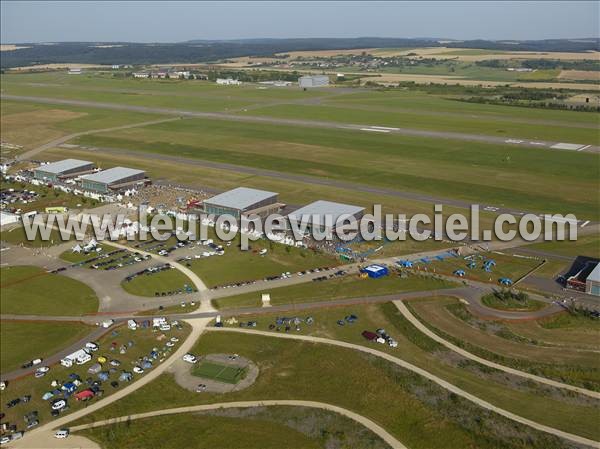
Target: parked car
[
  {"x": 59, "y": 404},
  {"x": 190, "y": 358},
  {"x": 138, "y": 370}
]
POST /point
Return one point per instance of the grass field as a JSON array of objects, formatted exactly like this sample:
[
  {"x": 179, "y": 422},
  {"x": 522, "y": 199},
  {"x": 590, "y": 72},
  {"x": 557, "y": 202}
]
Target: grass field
[
  {"x": 24, "y": 341},
  {"x": 161, "y": 282},
  {"x": 72, "y": 257},
  {"x": 337, "y": 288},
  {"x": 221, "y": 373},
  {"x": 522, "y": 340},
  {"x": 237, "y": 265},
  {"x": 485, "y": 173},
  {"x": 31, "y": 290},
  {"x": 209, "y": 432},
  {"x": 30, "y": 125},
  {"x": 16, "y": 236},
  {"x": 143, "y": 341},
  {"x": 586, "y": 245},
  {"x": 507, "y": 266},
  {"x": 393, "y": 398}
]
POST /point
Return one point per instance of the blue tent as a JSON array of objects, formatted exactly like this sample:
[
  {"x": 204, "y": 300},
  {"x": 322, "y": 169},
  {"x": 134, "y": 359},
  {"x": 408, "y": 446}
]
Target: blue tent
[
  {"x": 405, "y": 263},
  {"x": 375, "y": 271},
  {"x": 505, "y": 281},
  {"x": 459, "y": 273}
]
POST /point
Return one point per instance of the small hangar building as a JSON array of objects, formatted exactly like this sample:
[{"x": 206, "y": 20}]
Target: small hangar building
[
  {"x": 322, "y": 215},
  {"x": 313, "y": 81},
  {"x": 243, "y": 201},
  {"x": 592, "y": 282},
  {"x": 113, "y": 179},
  {"x": 67, "y": 168}
]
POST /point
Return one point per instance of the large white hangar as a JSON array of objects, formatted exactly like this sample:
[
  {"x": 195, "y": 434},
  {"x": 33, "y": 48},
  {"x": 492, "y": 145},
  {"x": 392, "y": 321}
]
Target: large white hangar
[{"x": 322, "y": 215}]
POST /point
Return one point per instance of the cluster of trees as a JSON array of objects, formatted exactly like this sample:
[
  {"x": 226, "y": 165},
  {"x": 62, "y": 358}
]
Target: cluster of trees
[
  {"x": 205, "y": 51},
  {"x": 507, "y": 295}
]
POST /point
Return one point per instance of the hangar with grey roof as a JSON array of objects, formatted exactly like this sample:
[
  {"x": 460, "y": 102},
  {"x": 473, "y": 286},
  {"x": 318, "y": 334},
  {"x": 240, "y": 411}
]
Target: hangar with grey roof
[
  {"x": 323, "y": 215},
  {"x": 113, "y": 179},
  {"x": 243, "y": 201},
  {"x": 67, "y": 168}
]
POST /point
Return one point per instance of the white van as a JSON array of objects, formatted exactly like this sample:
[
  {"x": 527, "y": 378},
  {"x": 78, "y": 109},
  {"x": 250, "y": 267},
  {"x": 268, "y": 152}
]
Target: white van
[
  {"x": 132, "y": 325},
  {"x": 83, "y": 358}
]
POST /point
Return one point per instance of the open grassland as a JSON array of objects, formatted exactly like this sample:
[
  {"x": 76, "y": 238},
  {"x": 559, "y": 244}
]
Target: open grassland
[
  {"x": 506, "y": 266},
  {"x": 264, "y": 428},
  {"x": 564, "y": 329},
  {"x": 521, "y": 340},
  {"x": 31, "y": 290},
  {"x": 337, "y": 288},
  {"x": 395, "y": 399},
  {"x": 16, "y": 236},
  {"x": 485, "y": 173},
  {"x": 585, "y": 245},
  {"x": 186, "y": 173},
  {"x": 31, "y": 125},
  {"x": 143, "y": 341},
  {"x": 419, "y": 349},
  {"x": 237, "y": 265},
  {"x": 23, "y": 341},
  {"x": 208, "y": 432},
  {"x": 162, "y": 282}
]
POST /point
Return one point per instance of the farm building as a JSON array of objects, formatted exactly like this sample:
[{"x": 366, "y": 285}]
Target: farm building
[
  {"x": 592, "y": 282},
  {"x": 67, "y": 168},
  {"x": 324, "y": 215},
  {"x": 243, "y": 201},
  {"x": 113, "y": 179},
  {"x": 313, "y": 81}
]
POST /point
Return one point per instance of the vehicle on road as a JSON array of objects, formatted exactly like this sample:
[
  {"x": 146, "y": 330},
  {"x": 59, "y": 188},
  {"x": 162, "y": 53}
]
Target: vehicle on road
[{"x": 62, "y": 433}]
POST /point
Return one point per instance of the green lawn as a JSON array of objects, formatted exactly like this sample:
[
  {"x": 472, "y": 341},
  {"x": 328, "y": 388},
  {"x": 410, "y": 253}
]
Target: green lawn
[
  {"x": 221, "y": 373},
  {"x": 24, "y": 341},
  {"x": 336, "y": 288},
  {"x": 164, "y": 281},
  {"x": 31, "y": 290},
  {"x": 237, "y": 265},
  {"x": 397, "y": 400},
  {"x": 507, "y": 266},
  {"x": 17, "y": 236},
  {"x": 72, "y": 257}
]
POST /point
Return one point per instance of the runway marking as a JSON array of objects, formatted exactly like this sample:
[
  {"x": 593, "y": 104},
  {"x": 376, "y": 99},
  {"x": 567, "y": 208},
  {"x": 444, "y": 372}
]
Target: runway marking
[
  {"x": 568, "y": 146},
  {"x": 376, "y": 130},
  {"x": 584, "y": 224},
  {"x": 583, "y": 148},
  {"x": 385, "y": 127}
]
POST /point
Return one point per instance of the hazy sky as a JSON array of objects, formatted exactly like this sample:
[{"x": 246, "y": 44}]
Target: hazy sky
[{"x": 139, "y": 21}]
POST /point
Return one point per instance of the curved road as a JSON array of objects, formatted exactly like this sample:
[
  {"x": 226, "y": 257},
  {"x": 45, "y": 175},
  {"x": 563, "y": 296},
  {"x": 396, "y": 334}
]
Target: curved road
[
  {"x": 425, "y": 330},
  {"x": 441, "y": 382},
  {"x": 366, "y": 422}
]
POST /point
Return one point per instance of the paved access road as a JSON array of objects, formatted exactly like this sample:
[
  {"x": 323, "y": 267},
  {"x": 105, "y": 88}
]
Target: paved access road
[
  {"x": 439, "y": 381},
  {"x": 366, "y": 422},
  {"x": 298, "y": 122}
]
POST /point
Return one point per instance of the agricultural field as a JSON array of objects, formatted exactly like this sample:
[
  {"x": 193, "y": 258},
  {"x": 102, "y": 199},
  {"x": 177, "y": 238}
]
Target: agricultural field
[
  {"x": 142, "y": 343},
  {"x": 392, "y": 397},
  {"x": 350, "y": 286},
  {"x": 32, "y": 290},
  {"x": 23, "y": 341}
]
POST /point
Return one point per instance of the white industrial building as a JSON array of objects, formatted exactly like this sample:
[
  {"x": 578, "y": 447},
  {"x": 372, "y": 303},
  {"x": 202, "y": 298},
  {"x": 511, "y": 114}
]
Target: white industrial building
[
  {"x": 113, "y": 179},
  {"x": 243, "y": 201},
  {"x": 592, "y": 282},
  {"x": 323, "y": 215},
  {"x": 59, "y": 170},
  {"x": 313, "y": 81},
  {"x": 228, "y": 82}
]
